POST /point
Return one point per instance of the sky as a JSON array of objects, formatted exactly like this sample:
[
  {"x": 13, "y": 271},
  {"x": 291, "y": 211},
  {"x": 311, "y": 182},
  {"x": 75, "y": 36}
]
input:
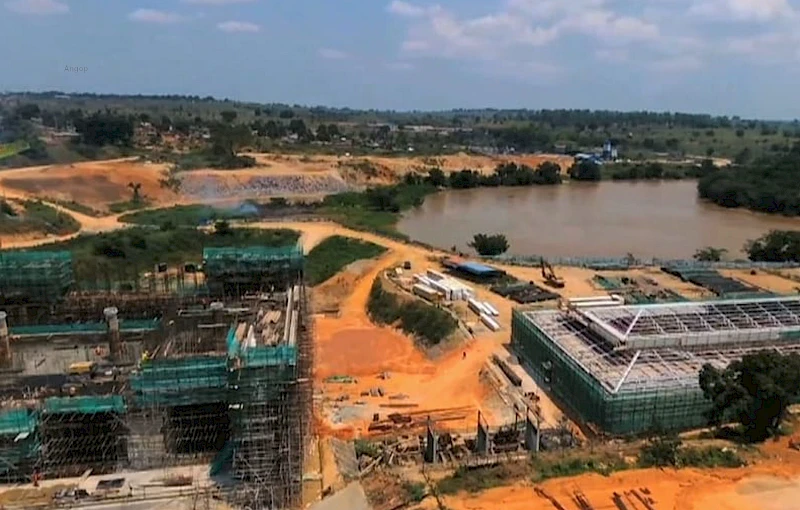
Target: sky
[{"x": 727, "y": 57}]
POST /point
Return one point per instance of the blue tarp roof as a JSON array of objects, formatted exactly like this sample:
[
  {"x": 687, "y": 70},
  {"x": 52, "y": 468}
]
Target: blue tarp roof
[{"x": 478, "y": 269}]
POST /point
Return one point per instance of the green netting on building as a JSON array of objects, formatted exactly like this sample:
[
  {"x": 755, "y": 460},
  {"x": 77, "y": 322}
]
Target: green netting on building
[
  {"x": 181, "y": 381},
  {"x": 251, "y": 259},
  {"x": 18, "y": 421},
  {"x": 238, "y": 270},
  {"x": 630, "y": 411},
  {"x": 84, "y": 328},
  {"x": 35, "y": 275},
  {"x": 85, "y": 405}
]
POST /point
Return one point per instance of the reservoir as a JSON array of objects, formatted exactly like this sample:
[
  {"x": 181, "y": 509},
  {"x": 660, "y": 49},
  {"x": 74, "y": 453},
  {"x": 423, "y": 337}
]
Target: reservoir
[{"x": 663, "y": 219}]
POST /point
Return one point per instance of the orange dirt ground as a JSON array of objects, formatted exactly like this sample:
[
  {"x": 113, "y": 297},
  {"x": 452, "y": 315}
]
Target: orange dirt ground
[
  {"x": 95, "y": 184},
  {"x": 772, "y": 484}
]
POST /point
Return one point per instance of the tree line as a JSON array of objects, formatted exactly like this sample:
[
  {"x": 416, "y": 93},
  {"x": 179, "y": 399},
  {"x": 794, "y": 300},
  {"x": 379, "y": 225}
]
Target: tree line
[{"x": 768, "y": 184}]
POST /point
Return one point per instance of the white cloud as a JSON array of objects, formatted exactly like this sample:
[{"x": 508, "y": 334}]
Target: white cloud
[
  {"x": 332, "y": 54},
  {"x": 154, "y": 16},
  {"x": 399, "y": 66},
  {"x": 679, "y": 64},
  {"x": 238, "y": 26},
  {"x": 519, "y": 26},
  {"x": 216, "y": 2},
  {"x": 38, "y": 7},
  {"x": 743, "y": 10},
  {"x": 405, "y": 9}
]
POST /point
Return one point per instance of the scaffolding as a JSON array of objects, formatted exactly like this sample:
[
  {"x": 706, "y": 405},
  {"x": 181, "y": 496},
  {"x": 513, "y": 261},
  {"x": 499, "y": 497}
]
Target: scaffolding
[
  {"x": 82, "y": 432},
  {"x": 31, "y": 276},
  {"x": 651, "y": 379},
  {"x": 236, "y": 271},
  {"x": 271, "y": 396},
  {"x": 19, "y": 443}
]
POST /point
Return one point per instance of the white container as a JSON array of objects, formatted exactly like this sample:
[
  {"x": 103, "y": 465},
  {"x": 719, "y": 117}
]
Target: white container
[
  {"x": 424, "y": 291},
  {"x": 489, "y": 322},
  {"x": 435, "y": 275},
  {"x": 476, "y": 306},
  {"x": 445, "y": 290},
  {"x": 596, "y": 304},
  {"x": 491, "y": 309}
]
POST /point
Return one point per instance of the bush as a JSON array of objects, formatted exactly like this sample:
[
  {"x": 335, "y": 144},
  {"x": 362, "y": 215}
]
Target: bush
[
  {"x": 333, "y": 254},
  {"x": 545, "y": 469},
  {"x": 480, "y": 479},
  {"x": 427, "y": 323},
  {"x": 416, "y": 491},
  {"x": 39, "y": 217},
  {"x": 489, "y": 245}
]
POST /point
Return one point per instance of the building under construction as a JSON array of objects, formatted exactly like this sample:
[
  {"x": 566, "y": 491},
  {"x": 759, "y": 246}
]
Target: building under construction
[
  {"x": 628, "y": 369},
  {"x": 157, "y": 377}
]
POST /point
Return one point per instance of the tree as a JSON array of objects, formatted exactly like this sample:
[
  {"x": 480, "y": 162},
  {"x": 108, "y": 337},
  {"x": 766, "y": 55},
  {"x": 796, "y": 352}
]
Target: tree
[
  {"x": 709, "y": 254},
  {"x": 437, "y": 177},
  {"x": 754, "y": 391},
  {"x": 105, "y": 129},
  {"x": 489, "y": 245},
  {"x": 585, "y": 170},
  {"x": 222, "y": 228},
  {"x": 136, "y": 197},
  {"x": 775, "y": 246},
  {"x": 228, "y": 116}
]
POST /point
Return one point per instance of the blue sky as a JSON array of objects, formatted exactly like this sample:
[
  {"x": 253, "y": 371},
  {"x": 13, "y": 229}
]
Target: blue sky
[{"x": 736, "y": 57}]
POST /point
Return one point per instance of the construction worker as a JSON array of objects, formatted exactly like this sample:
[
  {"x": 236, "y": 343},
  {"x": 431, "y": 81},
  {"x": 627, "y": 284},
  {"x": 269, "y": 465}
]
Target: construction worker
[{"x": 464, "y": 355}]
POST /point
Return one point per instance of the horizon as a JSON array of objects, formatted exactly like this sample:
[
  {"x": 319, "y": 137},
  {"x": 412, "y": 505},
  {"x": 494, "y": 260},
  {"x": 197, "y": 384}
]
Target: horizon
[
  {"x": 705, "y": 57},
  {"x": 245, "y": 102}
]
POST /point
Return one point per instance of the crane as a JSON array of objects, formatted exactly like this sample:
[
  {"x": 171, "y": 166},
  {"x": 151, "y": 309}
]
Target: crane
[{"x": 550, "y": 277}]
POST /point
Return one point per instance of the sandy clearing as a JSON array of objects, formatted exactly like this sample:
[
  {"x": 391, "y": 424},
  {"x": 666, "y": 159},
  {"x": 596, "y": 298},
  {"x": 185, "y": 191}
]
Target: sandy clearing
[
  {"x": 763, "y": 280},
  {"x": 95, "y": 184}
]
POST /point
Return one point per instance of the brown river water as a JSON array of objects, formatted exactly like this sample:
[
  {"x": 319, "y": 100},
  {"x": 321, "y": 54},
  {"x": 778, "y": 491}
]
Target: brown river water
[{"x": 607, "y": 219}]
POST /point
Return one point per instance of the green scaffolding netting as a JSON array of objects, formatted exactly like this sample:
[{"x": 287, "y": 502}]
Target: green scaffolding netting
[
  {"x": 42, "y": 274},
  {"x": 84, "y": 328},
  {"x": 17, "y": 421},
  {"x": 85, "y": 404},
  {"x": 626, "y": 412},
  {"x": 253, "y": 259},
  {"x": 181, "y": 381}
]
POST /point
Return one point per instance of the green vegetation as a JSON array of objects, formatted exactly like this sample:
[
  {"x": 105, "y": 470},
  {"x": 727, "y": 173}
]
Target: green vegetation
[
  {"x": 769, "y": 184},
  {"x": 654, "y": 171},
  {"x": 35, "y": 217},
  {"x": 754, "y": 391},
  {"x": 133, "y": 250},
  {"x": 76, "y": 206},
  {"x": 489, "y": 245},
  {"x": 481, "y": 479},
  {"x": 775, "y": 246},
  {"x": 709, "y": 254},
  {"x": 185, "y": 215},
  {"x": 364, "y": 447},
  {"x": 377, "y": 209},
  {"x": 333, "y": 254},
  {"x": 12, "y": 149},
  {"x": 416, "y": 491},
  {"x": 669, "y": 451},
  {"x": 585, "y": 170},
  {"x": 425, "y": 322}
]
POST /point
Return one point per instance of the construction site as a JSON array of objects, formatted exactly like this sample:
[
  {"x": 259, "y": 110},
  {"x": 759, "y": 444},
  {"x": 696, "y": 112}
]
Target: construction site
[
  {"x": 626, "y": 369},
  {"x": 216, "y": 375}
]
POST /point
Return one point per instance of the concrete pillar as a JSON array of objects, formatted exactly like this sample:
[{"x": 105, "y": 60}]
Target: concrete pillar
[
  {"x": 5, "y": 340},
  {"x": 531, "y": 433},
  {"x": 217, "y": 312},
  {"x": 482, "y": 440},
  {"x": 431, "y": 444},
  {"x": 114, "y": 342}
]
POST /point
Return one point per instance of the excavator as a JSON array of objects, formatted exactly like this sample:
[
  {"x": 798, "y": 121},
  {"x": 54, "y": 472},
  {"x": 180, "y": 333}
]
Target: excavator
[{"x": 550, "y": 277}]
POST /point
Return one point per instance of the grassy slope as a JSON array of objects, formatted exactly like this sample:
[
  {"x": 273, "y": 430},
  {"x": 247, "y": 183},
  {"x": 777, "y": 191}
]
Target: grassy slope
[{"x": 333, "y": 254}]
